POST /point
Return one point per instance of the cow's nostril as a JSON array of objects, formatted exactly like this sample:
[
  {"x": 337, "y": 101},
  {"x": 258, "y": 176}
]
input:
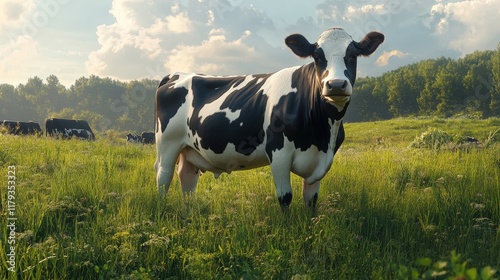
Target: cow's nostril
[
  {"x": 337, "y": 84},
  {"x": 337, "y": 87}
]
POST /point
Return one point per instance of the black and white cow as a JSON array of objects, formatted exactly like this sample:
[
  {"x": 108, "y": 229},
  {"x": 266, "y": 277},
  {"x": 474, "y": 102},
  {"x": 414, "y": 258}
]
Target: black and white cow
[
  {"x": 22, "y": 128},
  {"x": 290, "y": 119},
  {"x": 148, "y": 138},
  {"x": 67, "y": 128},
  {"x": 133, "y": 138}
]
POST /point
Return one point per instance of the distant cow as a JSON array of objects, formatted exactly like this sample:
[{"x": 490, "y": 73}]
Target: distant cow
[
  {"x": 471, "y": 140},
  {"x": 22, "y": 128},
  {"x": 65, "y": 129},
  {"x": 133, "y": 138},
  {"x": 148, "y": 138},
  {"x": 290, "y": 119}
]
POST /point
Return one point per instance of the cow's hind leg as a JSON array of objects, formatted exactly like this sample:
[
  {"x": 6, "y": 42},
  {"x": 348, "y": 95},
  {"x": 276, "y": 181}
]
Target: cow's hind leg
[
  {"x": 310, "y": 193},
  {"x": 188, "y": 174}
]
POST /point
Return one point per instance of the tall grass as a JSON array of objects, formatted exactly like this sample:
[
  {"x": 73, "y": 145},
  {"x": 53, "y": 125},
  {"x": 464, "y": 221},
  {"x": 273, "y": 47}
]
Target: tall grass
[{"x": 90, "y": 210}]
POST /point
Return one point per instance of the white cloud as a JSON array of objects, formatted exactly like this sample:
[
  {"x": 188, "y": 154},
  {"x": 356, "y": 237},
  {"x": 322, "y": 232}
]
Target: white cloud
[
  {"x": 199, "y": 37},
  {"x": 18, "y": 56},
  {"x": 133, "y": 42},
  {"x": 215, "y": 55},
  {"x": 179, "y": 23},
  {"x": 13, "y": 13},
  {"x": 363, "y": 10},
  {"x": 383, "y": 59},
  {"x": 467, "y": 26}
]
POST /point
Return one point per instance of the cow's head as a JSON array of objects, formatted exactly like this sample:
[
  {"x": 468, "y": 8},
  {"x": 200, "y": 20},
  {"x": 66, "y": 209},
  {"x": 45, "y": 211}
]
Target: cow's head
[{"x": 335, "y": 58}]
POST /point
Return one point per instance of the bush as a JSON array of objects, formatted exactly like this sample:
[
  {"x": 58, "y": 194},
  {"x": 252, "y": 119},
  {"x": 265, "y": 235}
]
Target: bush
[
  {"x": 433, "y": 138},
  {"x": 436, "y": 139}
]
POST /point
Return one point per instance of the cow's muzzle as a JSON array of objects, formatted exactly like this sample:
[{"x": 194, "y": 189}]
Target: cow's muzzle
[{"x": 337, "y": 90}]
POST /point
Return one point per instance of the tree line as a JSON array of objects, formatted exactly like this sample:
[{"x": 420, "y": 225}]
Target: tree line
[
  {"x": 468, "y": 86},
  {"x": 444, "y": 87},
  {"x": 107, "y": 104}
]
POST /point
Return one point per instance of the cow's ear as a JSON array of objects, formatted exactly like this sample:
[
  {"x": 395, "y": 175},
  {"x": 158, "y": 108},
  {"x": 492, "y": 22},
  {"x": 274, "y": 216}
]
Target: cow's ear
[
  {"x": 369, "y": 43},
  {"x": 299, "y": 45}
]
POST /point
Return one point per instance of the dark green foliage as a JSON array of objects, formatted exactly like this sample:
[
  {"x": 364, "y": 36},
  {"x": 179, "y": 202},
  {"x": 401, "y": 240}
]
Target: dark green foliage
[{"x": 443, "y": 87}]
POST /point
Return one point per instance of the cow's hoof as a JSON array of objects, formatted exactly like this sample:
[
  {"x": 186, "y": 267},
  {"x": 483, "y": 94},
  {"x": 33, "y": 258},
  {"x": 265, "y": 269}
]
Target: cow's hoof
[
  {"x": 285, "y": 200},
  {"x": 312, "y": 202}
]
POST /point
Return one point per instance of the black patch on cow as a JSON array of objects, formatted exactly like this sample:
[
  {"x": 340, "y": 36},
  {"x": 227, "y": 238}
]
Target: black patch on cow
[
  {"x": 285, "y": 200},
  {"x": 351, "y": 62},
  {"x": 207, "y": 90},
  {"x": 196, "y": 144},
  {"x": 321, "y": 63},
  {"x": 168, "y": 100},
  {"x": 216, "y": 131},
  {"x": 302, "y": 116}
]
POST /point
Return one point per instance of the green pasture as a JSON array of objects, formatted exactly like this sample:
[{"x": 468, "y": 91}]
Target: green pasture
[{"x": 90, "y": 210}]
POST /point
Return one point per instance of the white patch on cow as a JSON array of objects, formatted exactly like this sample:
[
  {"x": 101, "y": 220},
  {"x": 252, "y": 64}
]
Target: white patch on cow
[
  {"x": 260, "y": 80},
  {"x": 334, "y": 42},
  {"x": 277, "y": 86},
  {"x": 230, "y": 115}
]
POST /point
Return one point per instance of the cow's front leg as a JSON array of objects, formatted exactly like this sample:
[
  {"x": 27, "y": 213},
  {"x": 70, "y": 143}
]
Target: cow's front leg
[
  {"x": 165, "y": 166},
  {"x": 281, "y": 175},
  {"x": 310, "y": 193},
  {"x": 188, "y": 174}
]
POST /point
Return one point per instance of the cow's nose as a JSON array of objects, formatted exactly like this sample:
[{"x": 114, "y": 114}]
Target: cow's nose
[{"x": 337, "y": 87}]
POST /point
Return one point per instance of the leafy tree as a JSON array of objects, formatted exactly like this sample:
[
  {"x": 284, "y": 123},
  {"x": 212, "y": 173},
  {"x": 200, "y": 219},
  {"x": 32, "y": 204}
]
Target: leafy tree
[
  {"x": 427, "y": 70},
  {"x": 447, "y": 85},
  {"x": 36, "y": 96},
  {"x": 495, "y": 83},
  {"x": 8, "y": 99},
  {"x": 57, "y": 94},
  {"x": 477, "y": 76}
]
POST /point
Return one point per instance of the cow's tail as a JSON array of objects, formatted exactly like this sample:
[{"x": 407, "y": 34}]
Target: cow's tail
[{"x": 163, "y": 82}]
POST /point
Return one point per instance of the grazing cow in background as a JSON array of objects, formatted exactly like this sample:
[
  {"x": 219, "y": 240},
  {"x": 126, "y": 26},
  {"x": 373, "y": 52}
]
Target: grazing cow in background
[
  {"x": 133, "y": 138},
  {"x": 148, "y": 138},
  {"x": 65, "y": 129},
  {"x": 471, "y": 140},
  {"x": 22, "y": 128},
  {"x": 290, "y": 119}
]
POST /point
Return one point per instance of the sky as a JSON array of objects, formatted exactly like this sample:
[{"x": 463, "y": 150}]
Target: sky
[{"x": 136, "y": 39}]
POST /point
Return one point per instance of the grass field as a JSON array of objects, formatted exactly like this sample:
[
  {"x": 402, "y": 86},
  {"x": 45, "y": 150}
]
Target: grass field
[{"x": 90, "y": 210}]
